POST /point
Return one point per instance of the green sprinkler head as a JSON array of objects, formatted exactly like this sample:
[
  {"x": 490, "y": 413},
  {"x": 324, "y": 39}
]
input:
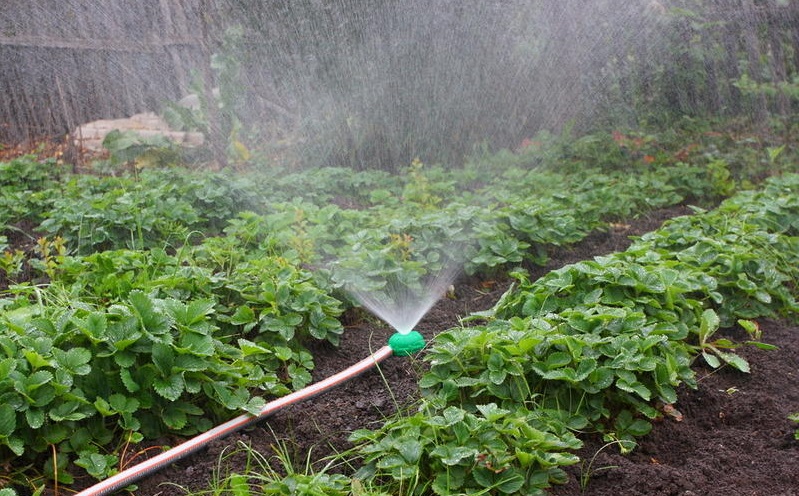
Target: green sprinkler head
[{"x": 406, "y": 344}]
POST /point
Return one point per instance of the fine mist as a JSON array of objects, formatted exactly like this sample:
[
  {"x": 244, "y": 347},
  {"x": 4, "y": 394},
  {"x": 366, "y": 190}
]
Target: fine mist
[
  {"x": 402, "y": 306},
  {"x": 376, "y": 84}
]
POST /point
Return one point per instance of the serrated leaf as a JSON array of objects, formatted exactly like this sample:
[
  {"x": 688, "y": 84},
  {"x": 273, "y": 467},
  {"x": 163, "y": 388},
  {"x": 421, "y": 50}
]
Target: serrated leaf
[
  {"x": 124, "y": 333},
  {"x": 283, "y": 353},
  {"x": 708, "y": 324},
  {"x": 452, "y": 415},
  {"x": 123, "y": 404},
  {"x": 75, "y": 360},
  {"x": 94, "y": 326},
  {"x": 497, "y": 376},
  {"x": 300, "y": 377},
  {"x": 127, "y": 380},
  {"x": 429, "y": 380},
  {"x": 639, "y": 428},
  {"x": 601, "y": 378},
  {"x": 55, "y": 433},
  {"x": 452, "y": 455},
  {"x": 242, "y": 316},
  {"x": 492, "y": 412},
  {"x": 33, "y": 381},
  {"x": 7, "y": 366},
  {"x": 410, "y": 449},
  {"x": 191, "y": 363},
  {"x": 96, "y": 464},
  {"x": 634, "y": 387},
  {"x": 150, "y": 319},
  {"x": 174, "y": 418},
  {"x": 507, "y": 481},
  {"x": 35, "y": 417},
  {"x": 736, "y": 361},
  {"x": 511, "y": 483},
  {"x": 585, "y": 368},
  {"x": 169, "y": 388},
  {"x": 723, "y": 343},
  {"x": 8, "y": 420},
  {"x": 762, "y": 346},
  {"x": 667, "y": 393},
  {"x": 16, "y": 445},
  {"x": 762, "y": 296},
  {"x": 198, "y": 344},
  {"x": 448, "y": 483},
  {"x": 103, "y": 407},
  {"x": 558, "y": 359},
  {"x": 391, "y": 461},
  {"x": 255, "y": 405},
  {"x": 36, "y": 360},
  {"x": 198, "y": 310},
  {"x": 281, "y": 326},
  {"x": 124, "y": 358},
  {"x": 67, "y": 411},
  {"x": 249, "y": 348},
  {"x": 711, "y": 360},
  {"x": 233, "y": 399},
  {"x": 163, "y": 358}
]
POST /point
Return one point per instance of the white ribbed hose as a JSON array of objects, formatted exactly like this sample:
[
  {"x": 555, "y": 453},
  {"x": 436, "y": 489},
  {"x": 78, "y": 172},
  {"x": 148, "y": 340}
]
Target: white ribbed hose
[{"x": 132, "y": 474}]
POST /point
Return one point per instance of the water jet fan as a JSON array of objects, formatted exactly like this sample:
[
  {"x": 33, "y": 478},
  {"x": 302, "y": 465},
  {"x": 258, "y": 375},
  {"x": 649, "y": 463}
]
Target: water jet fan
[{"x": 402, "y": 307}]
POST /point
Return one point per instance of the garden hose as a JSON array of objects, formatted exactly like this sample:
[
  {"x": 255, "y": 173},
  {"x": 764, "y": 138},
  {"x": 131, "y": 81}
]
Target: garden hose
[{"x": 402, "y": 347}]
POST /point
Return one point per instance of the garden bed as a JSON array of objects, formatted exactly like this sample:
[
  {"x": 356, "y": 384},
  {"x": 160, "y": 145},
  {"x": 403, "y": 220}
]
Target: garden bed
[
  {"x": 734, "y": 436},
  {"x": 248, "y": 309}
]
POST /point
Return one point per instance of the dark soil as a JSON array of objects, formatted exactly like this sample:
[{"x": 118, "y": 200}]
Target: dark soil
[{"x": 735, "y": 437}]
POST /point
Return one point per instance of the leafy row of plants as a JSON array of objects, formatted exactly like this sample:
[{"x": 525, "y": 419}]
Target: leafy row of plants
[
  {"x": 599, "y": 345},
  {"x": 125, "y": 345},
  {"x": 159, "y": 301},
  {"x": 610, "y": 175}
]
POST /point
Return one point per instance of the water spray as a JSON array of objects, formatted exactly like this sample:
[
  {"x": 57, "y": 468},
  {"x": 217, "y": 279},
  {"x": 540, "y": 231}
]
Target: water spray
[{"x": 400, "y": 344}]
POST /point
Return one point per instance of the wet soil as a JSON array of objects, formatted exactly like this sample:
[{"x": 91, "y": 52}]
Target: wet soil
[{"x": 734, "y": 437}]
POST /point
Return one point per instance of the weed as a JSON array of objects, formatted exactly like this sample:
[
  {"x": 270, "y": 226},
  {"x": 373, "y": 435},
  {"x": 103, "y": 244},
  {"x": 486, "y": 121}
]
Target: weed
[
  {"x": 587, "y": 469},
  {"x": 794, "y": 417}
]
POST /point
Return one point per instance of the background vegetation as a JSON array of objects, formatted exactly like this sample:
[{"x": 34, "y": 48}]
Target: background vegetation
[{"x": 376, "y": 84}]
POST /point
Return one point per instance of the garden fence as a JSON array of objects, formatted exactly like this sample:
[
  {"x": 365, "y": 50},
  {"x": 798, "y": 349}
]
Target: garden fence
[{"x": 66, "y": 62}]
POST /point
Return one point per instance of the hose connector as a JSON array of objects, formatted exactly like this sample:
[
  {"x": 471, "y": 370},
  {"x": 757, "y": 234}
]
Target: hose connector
[{"x": 406, "y": 344}]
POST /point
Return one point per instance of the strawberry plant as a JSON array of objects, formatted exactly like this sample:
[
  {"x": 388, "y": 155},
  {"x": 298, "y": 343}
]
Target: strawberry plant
[
  {"x": 597, "y": 345},
  {"x": 794, "y": 417},
  {"x": 26, "y": 188},
  {"x": 454, "y": 450},
  {"x": 143, "y": 365},
  {"x": 166, "y": 302},
  {"x": 154, "y": 209},
  {"x": 148, "y": 343}
]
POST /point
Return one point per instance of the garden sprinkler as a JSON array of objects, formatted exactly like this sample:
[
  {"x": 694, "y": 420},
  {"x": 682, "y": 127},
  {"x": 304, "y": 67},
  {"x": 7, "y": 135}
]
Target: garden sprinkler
[{"x": 404, "y": 344}]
